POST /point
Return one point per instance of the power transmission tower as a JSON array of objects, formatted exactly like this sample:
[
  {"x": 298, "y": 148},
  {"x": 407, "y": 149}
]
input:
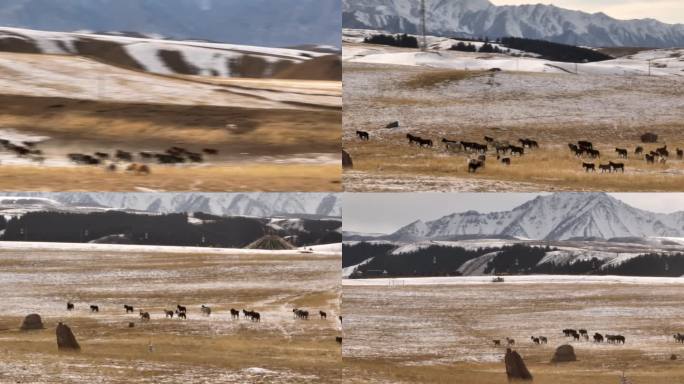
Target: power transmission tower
[{"x": 422, "y": 26}]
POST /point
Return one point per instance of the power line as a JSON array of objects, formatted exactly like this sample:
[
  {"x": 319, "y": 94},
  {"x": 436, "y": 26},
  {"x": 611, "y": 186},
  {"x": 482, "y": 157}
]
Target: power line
[{"x": 422, "y": 25}]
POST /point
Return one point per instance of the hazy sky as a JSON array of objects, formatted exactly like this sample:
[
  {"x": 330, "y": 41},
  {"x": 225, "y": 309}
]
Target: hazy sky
[
  {"x": 668, "y": 11},
  {"x": 387, "y": 212}
]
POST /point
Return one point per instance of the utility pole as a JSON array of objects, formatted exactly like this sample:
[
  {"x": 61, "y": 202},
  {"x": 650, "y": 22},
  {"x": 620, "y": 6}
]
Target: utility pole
[{"x": 422, "y": 25}]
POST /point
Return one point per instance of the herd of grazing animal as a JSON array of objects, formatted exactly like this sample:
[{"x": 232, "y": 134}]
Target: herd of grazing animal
[
  {"x": 112, "y": 161},
  {"x": 504, "y": 152},
  {"x": 579, "y": 335},
  {"x": 181, "y": 312},
  {"x": 173, "y": 155}
]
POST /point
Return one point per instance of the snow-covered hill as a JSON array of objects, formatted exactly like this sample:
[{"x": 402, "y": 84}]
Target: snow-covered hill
[
  {"x": 159, "y": 56},
  {"x": 253, "y": 22},
  {"x": 655, "y": 62},
  {"x": 228, "y": 204},
  {"x": 482, "y": 18},
  {"x": 555, "y": 217}
]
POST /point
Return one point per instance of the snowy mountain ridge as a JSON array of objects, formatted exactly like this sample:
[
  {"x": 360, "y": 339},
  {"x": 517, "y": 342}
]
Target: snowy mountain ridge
[
  {"x": 538, "y": 21},
  {"x": 560, "y": 216},
  {"x": 225, "y": 204}
]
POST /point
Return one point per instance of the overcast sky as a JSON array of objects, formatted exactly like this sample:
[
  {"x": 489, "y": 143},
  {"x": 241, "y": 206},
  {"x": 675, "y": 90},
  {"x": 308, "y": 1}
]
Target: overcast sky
[
  {"x": 668, "y": 11},
  {"x": 387, "y": 212}
]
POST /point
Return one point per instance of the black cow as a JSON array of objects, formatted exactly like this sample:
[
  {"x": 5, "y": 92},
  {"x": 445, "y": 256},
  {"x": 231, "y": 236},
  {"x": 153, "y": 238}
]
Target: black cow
[
  {"x": 589, "y": 167},
  {"x": 128, "y": 308},
  {"x": 70, "y": 306},
  {"x": 94, "y": 308},
  {"x": 621, "y": 152},
  {"x": 617, "y": 166}
]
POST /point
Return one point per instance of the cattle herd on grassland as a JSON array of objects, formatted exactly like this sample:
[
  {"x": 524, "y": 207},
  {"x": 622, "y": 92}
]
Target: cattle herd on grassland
[{"x": 585, "y": 151}]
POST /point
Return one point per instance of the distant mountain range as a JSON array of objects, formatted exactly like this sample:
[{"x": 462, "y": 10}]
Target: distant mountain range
[
  {"x": 274, "y": 23},
  {"x": 559, "y": 216},
  {"x": 224, "y": 204},
  {"x": 482, "y": 18}
]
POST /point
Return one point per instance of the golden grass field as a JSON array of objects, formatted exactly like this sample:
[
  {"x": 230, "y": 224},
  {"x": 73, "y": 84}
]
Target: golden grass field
[
  {"x": 214, "y": 349},
  {"x": 443, "y": 333},
  {"x": 205, "y": 178},
  {"x": 554, "y": 109}
]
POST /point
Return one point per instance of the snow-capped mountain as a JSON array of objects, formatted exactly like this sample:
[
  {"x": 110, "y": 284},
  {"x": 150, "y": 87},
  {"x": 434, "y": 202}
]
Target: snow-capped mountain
[
  {"x": 226, "y": 204},
  {"x": 253, "y": 22},
  {"x": 538, "y": 21},
  {"x": 560, "y": 216}
]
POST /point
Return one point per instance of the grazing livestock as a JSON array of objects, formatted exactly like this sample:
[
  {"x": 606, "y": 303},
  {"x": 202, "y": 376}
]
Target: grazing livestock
[
  {"x": 181, "y": 308},
  {"x": 425, "y": 142},
  {"x": 510, "y": 341},
  {"x": 567, "y": 332},
  {"x": 82, "y": 159},
  {"x": 589, "y": 167},
  {"x": 102, "y": 155},
  {"x": 639, "y": 150},
  {"x": 516, "y": 150},
  {"x": 535, "y": 340},
  {"x": 234, "y": 313},
  {"x": 527, "y": 143},
  {"x": 451, "y": 145},
  {"x": 123, "y": 155},
  {"x": 617, "y": 166},
  {"x": 604, "y": 168},
  {"x": 650, "y": 159},
  {"x": 474, "y": 165},
  {"x": 505, "y": 160},
  {"x": 679, "y": 338},
  {"x": 70, "y": 306},
  {"x": 543, "y": 340},
  {"x": 195, "y": 157},
  {"x": 680, "y": 154},
  {"x": 206, "y": 311},
  {"x": 301, "y": 314},
  {"x": 585, "y": 144},
  {"x": 144, "y": 316},
  {"x": 128, "y": 308},
  {"x": 497, "y": 343},
  {"x": 593, "y": 153},
  {"x": 146, "y": 155},
  {"x": 615, "y": 339},
  {"x": 168, "y": 313},
  {"x": 338, "y": 339},
  {"x": 323, "y": 314},
  {"x": 363, "y": 135},
  {"x": 489, "y": 139},
  {"x": 181, "y": 314},
  {"x": 598, "y": 338},
  {"x": 210, "y": 151},
  {"x": 621, "y": 152},
  {"x": 94, "y": 308},
  {"x": 663, "y": 152}
]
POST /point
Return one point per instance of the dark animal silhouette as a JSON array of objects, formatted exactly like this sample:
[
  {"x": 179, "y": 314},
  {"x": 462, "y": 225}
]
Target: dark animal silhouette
[
  {"x": 210, "y": 151},
  {"x": 234, "y": 313},
  {"x": 128, "y": 308},
  {"x": 323, "y": 314},
  {"x": 605, "y": 168},
  {"x": 363, "y": 135},
  {"x": 474, "y": 165},
  {"x": 639, "y": 150},
  {"x": 598, "y": 338},
  {"x": 94, "y": 308},
  {"x": 123, "y": 155},
  {"x": 181, "y": 308},
  {"x": 181, "y": 314},
  {"x": 338, "y": 339},
  {"x": 70, "y": 306},
  {"x": 585, "y": 144},
  {"x": 144, "y": 316},
  {"x": 621, "y": 152},
  {"x": 617, "y": 166},
  {"x": 650, "y": 159},
  {"x": 168, "y": 313},
  {"x": 589, "y": 167}
]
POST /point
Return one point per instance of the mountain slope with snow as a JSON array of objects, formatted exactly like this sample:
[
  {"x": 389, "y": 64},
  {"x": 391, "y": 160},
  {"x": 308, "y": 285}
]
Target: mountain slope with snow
[
  {"x": 559, "y": 216},
  {"x": 164, "y": 57},
  {"x": 225, "y": 204},
  {"x": 482, "y": 18},
  {"x": 253, "y": 22}
]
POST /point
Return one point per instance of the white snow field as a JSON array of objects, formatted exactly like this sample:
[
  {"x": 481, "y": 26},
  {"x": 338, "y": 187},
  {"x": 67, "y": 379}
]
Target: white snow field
[
  {"x": 41, "y": 278},
  {"x": 441, "y": 329}
]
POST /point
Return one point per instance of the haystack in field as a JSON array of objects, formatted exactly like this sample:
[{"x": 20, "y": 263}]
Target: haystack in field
[
  {"x": 564, "y": 353},
  {"x": 32, "y": 322},
  {"x": 347, "y": 162},
  {"x": 271, "y": 242},
  {"x": 66, "y": 339},
  {"x": 515, "y": 367}
]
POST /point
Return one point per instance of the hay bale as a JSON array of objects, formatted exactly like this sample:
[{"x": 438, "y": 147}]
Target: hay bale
[
  {"x": 131, "y": 325},
  {"x": 673, "y": 357},
  {"x": 649, "y": 137},
  {"x": 66, "y": 339},
  {"x": 32, "y": 322},
  {"x": 515, "y": 366},
  {"x": 346, "y": 160},
  {"x": 564, "y": 353},
  {"x": 394, "y": 124}
]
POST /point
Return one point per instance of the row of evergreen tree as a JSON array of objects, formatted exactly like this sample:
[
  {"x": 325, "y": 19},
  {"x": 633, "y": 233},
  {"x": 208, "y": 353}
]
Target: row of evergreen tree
[
  {"x": 166, "y": 229},
  {"x": 515, "y": 259},
  {"x": 401, "y": 40}
]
